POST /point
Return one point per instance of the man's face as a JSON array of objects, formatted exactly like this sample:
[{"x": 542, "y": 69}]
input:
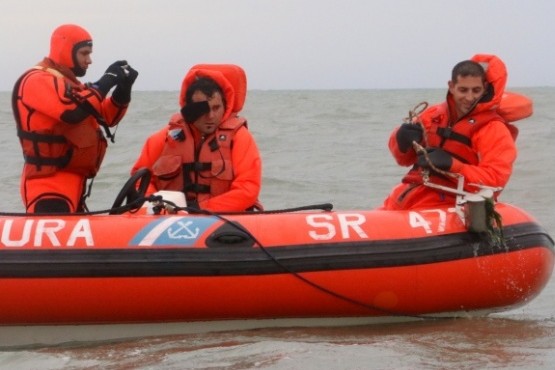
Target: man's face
[
  {"x": 209, "y": 122},
  {"x": 465, "y": 92},
  {"x": 83, "y": 58}
]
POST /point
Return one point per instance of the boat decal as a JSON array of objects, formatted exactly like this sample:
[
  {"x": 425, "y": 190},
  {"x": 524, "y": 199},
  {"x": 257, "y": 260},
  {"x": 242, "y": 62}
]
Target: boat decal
[
  {"x": 435, "y": 223},
  {"x": 327, "y": 226},
  {"x": 174, "y": 230},
  {"x": 45, "y": 233}
]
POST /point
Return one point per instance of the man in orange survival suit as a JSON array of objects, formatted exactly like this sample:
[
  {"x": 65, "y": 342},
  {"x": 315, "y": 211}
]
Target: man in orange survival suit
[
  {"x": 206, "y": 150},
  {"x": 464, "y": 135},
  {"x": 61, "y": 122}
]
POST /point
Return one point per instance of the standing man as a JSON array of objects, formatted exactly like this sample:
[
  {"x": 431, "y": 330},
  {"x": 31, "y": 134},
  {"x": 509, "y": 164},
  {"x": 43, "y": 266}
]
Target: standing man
[
  {"x": 62, "y": 123},
  {"x": 465, "y": 135}
]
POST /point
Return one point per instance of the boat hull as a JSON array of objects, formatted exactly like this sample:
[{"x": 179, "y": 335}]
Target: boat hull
[{"x": 357, "y": 264}]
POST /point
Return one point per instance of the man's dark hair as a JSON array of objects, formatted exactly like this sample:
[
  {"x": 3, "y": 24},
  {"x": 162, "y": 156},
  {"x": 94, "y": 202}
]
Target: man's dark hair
[
  {"x": 205, "y": 85},
  {"x": 467, "y": 68}
]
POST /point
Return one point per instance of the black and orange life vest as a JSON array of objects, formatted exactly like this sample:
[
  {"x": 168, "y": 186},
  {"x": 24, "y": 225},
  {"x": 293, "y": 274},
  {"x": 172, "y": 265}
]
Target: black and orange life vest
[
  {"x": 202, "y": 171},
  {"x": 50, "y": 146},
  {"x": 455, "y": 139}
]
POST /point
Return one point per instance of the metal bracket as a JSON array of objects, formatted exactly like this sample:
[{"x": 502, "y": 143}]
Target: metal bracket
[{"x": 470, "y": 207}]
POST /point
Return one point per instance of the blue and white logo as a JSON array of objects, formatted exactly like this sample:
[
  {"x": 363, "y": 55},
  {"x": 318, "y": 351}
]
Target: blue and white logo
[{"x": 173, "y": 231}]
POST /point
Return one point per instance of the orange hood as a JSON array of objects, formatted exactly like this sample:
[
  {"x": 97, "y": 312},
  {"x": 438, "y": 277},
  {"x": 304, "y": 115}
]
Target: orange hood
[
  {"x": 230, "y": 77},
  {"x": 65, "y": 41}
]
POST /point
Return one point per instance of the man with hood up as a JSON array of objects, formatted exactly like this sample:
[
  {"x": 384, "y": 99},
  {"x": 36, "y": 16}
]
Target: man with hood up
[
  {"x": 62, "y": 124},
  {"x": 465, "y": 135},
  {"x": 206, "y": 150}
]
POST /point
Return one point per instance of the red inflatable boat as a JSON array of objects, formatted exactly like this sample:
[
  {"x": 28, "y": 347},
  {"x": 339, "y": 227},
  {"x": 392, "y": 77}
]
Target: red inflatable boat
[{"x": 315, "y": 263}]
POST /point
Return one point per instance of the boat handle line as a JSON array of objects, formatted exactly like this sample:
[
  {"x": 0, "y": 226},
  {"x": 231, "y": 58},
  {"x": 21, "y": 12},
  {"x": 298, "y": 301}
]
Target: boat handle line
[{"x": 320, "y": 287}]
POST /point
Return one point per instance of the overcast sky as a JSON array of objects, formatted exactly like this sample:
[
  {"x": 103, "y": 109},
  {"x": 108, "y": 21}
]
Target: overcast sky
[{"x": 291, "y": 44}]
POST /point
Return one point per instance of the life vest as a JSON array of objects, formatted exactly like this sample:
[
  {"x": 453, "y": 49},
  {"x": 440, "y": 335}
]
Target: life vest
[
  {"x": 455, "y": 140},
  {"x": 50, "y": 145},
  {"x": 202, "y": 172}
]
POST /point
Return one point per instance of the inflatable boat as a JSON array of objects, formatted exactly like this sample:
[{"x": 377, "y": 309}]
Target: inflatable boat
[{"x": 167, "y": 265}]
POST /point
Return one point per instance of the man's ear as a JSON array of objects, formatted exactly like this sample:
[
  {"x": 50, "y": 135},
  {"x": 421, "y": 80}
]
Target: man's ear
[{"x": 451, "y": 86}]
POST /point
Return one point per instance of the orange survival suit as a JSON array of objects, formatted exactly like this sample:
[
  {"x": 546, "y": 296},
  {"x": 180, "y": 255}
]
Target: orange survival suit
[
  {"x": 224, "y": 172},
  {"x": 482, "y": 143},
  {"x": 59, "y": 124}
]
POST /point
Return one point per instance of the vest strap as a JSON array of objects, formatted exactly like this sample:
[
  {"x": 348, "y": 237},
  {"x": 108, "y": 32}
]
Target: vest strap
[{"x": 448, "y": 133}]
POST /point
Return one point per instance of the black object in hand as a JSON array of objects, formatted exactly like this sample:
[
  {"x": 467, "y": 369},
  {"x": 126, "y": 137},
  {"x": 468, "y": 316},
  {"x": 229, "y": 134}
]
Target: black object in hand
[
  {"x": 113, "y": 75},
  {"x": 193, "y": 111},
  {"x": 116, "y": 71},
  {"x": 122, "y": 93},
  {"x": 130, "y": 75}
]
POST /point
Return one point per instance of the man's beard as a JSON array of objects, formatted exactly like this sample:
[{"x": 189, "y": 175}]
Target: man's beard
[{"x": 78, "y": 71}]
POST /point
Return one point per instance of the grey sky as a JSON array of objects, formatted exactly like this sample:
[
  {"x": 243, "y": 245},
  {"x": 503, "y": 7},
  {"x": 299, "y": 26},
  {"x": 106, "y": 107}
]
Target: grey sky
[{"x": 291, "y": 44}]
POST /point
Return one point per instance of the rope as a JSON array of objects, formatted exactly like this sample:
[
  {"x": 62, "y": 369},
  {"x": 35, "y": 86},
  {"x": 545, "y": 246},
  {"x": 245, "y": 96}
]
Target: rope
[
  {"x": 420, "y": 149},
  {"x": 415, "y": 112},
  {"x": 317, "y": 286},
  {"x": 327, "y": 207},
  {"x": 324, "y": 207},
  {"x": 414, "y": 118}
]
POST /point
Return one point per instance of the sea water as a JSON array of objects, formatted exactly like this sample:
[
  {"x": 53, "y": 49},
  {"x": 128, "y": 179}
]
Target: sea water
[{"x": 319, "y": 146}]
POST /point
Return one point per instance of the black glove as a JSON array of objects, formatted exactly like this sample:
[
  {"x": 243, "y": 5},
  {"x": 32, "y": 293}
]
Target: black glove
[
  {"x": 122, "y": 93},
  {"x": 130, "y": 75},
  {"x": 113, "y": 75},
  {"x": 439, "y": 158},
  {"x": 407, "y": 133},
  {"x": 193, "y": 111}
]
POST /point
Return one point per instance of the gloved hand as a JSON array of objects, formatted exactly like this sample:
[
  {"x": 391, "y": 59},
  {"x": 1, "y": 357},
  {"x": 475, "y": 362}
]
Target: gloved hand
[
  {"x": 406, "y": 134},
  {"x": 113, "y": 75},
  {"x": 130, "y": 75},
  {"x": 439, "y": 158},
  {"x": 193, "y": 111},
  {"x": 122, "y": 93}
]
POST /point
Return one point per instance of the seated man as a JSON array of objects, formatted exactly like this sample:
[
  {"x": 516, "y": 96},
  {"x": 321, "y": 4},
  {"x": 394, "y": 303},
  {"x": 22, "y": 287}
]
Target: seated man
[
  {"x": 206, "y": 150},
  {"x": 465, "y": 136}
]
